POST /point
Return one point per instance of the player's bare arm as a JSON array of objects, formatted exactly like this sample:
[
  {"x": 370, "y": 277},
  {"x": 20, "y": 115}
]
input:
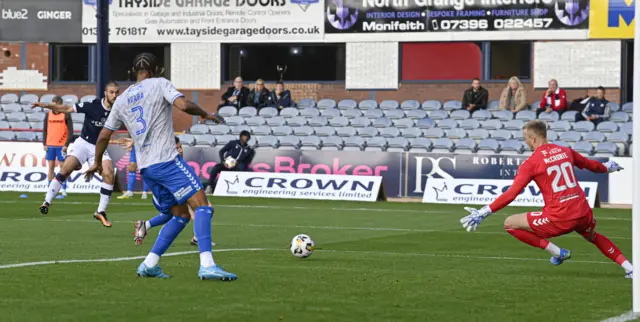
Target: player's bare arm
[
  {"x": 60, "y": 108},
  {"x": 101, "y": 146}
]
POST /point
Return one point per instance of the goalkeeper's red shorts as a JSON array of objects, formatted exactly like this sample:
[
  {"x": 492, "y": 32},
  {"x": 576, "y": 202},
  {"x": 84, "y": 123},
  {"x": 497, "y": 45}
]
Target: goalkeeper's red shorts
[{"x": 544, "y": 227}]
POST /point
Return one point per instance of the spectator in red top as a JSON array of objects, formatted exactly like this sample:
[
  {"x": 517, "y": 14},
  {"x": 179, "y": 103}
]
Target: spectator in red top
[{"x": 554, "y": 99}]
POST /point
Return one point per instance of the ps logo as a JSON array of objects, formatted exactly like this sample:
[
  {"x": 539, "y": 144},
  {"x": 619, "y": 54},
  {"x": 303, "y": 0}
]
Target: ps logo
[{"x": 436, "y": 170}]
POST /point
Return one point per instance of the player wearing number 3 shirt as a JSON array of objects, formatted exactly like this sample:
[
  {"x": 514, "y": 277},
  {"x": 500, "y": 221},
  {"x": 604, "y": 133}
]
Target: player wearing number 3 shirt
[{"x": 566, "y": 208}]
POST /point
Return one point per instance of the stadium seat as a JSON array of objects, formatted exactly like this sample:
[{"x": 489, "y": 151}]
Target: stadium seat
[
  {"x": 413, "y": 132},
  {"x": 297, "y": 121},
  {"x": 289, "y": 142},
  {"x": 306, "y": 103},
  {"x": 569, "y": 116},
  {"x": 219, "y": 129},
  {"x": 354, "y": 143},
  {"x": 504, "y": 115},
  {"x": 404, "y": 123},
  {"x": 268, "y": 141},
  {"x": 582, "y": 147},
  {"x": 619, "y": 117},
  {"x": 248, "y": 111},
  {"x": 310, "y": 143},
  {"x": 330, "y": 112},
  {"x": 456, "y": 134},
  {"x": 36, "y": 125},
  {"x": 548, "y": 117},
  {"x": 326, "y": 103},
  {"x": 593, "y": 137},
  {"x": 493, "y": 105},
  {"x": 389, "y": 105},
  {"x": 620, "y": 139},
  {"x": 466, "y": 146},
  {"x": 397, "y": 145},
  {"x": 420, "y": 143},
  {"x": 70, "y": 99},
  {"x": 261, "y": 130},
  {"x": 351, "y": 113},
  {"x": 37, "y": 117},
  {"x": 288, "y": 112},
  {"x": 368, "y": 105},
  {"x": 346, "y": 131},
  {"x": 570, "y": 136},
  {"x": 425, "y": 123},
  {"x": 607, "y": 127},
  {"x": 360, "y": 122},
  {"x": 16, "y": 117},
  {"x": 2, "y": 116},
  {"x": 373, "y": 114},
  {"x": 87, "y": 98},
  {"x": 187, "y": 139},
  {"x": 382, "y": 122},
  {"x": 560, "y": 126},
  {"x": 47, "y": 98},
  {"x": 199, "y": 129},
  {"x": 478, "y": 134},
  {"x": 431, "y": 105},
  {"x": 324, "y": 131},
  {"x": 488, "y": 146},
  {"x": 492, "y": 125},
  {"x": 604, "y": 149},
  {"x": 347, "y": 104},
  {"x": 332, "y": 143},
  {"x": 303, "y": 131},
  {"x": 627, "y": 107},
  {"x": 526, "y": 115},
  {"x": 438, "y": 115},
  {"x": 452, "y": 105},
  {"x": 442, "y": 145},
  {"x": 627, "y": 128},
  {"x": 535, "y": 105},
  {"x": 460, "y": 115},
  {"x": 501, "y": 135},
  {"x": 7, "y": 136},
  {"x": 268, "y": 112},
  {"x": 410, "y": 105},
  {"x": 235, "y": 130},
  {"x": 11, "y": 108},
  {"x": 255, "y": 121},
  {"x": 433, "y": 133},
  {"x": 339, "y": 121},
  {"x": 552, "y": 135},
  {"x": 28, "y": 99},
  {"x": 282, "y": 130},
  {"x": 4, "y": 125},
  {"x": 77, "y": 127},
  {"x": 470, "y": 124},
  {"x": 514, "y": 125},
  {"x": 584, "y": 126},
  {"x": 394, "y": 114},
  {"x": 517, "y": 135},
  {"x": 227, "y": 111},
  {"x": 415, "y": 114},
  {"x": 309, "y": 112},
  {"x": 224, "y": 139},
  {"x": 234, "y": 120},
  {"x": 561, "y": 143},
  {"x": 9, "y": 99},
  {"x": 26, "y": 136},
  {"x": 205, "y": 139},
  {"x": 389, "y": 132},
  {"x": 377, "y": 144},
  {"x": 511, "y": 147},
  {"x": 368, "y": 132},
  {"x": 614, "y": 106},
  {"x": 447, "y": 124},
  {"x": 481, "y": 115}
]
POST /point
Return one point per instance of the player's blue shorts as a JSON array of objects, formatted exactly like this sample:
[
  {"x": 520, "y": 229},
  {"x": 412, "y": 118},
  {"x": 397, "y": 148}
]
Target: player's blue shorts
[
  {"x": 54, "y": 152},
  {"x": 132, "y": 155},
  {"x": 172, "y": 183}
]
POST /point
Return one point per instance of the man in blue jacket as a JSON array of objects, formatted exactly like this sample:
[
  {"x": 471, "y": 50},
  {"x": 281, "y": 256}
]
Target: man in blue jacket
[
  {"x": 240, "y": 151},
  {"x": 280, "y": 97},
  {"x": 597, "y": 108}
]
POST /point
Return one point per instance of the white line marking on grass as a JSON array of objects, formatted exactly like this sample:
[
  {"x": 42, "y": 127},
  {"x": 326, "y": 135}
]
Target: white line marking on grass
[
  {"x": 121, "y": 259},
  {"x": 627, "y": 316}
]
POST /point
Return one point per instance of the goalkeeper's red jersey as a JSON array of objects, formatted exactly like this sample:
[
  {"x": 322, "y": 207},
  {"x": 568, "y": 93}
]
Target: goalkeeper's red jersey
[{"x": 552, "y": 168}]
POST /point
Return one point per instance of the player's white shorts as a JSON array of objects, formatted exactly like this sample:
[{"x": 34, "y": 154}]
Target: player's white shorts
[{"x": 85, "y": 151}]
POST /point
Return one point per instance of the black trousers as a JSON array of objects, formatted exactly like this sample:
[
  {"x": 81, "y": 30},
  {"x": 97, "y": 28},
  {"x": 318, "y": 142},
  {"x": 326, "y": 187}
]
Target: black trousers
[{"x": 215, "y": 171}]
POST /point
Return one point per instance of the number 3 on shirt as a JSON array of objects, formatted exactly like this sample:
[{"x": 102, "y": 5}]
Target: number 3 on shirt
[
  {"x": 139, "y": 119},
  {"x": 566, "y": 171}
]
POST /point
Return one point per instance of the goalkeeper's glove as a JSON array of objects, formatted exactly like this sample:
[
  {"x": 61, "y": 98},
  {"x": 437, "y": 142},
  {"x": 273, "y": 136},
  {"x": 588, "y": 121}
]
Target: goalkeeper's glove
[
  {"x": 613, "y": 166},
  {"x": 472, "y": 221}
]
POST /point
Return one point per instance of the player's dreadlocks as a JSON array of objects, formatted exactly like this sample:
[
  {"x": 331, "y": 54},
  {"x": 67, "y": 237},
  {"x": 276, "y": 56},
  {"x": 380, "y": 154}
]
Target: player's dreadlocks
[{"x": 147, "y": 62}]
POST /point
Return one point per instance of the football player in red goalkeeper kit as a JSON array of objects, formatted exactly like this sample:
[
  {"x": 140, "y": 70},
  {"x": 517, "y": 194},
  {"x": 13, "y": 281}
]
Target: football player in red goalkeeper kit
[{"x": 566, "y": 208}]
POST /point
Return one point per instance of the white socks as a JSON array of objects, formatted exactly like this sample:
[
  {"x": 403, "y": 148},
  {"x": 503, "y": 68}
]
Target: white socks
[
  {"x": 553, "y": 249},
  {"x": 53, "y": 190},
  {"x": 206, "y": 259},
  {"x": 627, "y": 266},
  {"x": 151, "y": 260},
  {"x": 147, "y": 225},
  {"x": 105, "y": 196}
]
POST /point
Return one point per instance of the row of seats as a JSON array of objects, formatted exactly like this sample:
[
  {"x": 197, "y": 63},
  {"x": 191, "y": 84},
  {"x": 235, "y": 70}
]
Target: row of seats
[
  {"x": 35, "y": 117},
  {"x": 396, "y": 144},
  {"x": 28, "y": 99}
]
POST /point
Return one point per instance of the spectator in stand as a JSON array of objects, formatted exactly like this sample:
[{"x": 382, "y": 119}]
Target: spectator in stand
[
  {"x": 280, "y": 97},
  {"x": 597, "y": 108},
  {"x": 476, "y": 97},
  {"x": 238, "y": 150},
  {"x": 57, "y": 133},
  {"x": 259, "y": 95},
  {"x": 554, "y": 99},
  {"x": 514, "y": 96},
  {"x": 235, "y": 95}
]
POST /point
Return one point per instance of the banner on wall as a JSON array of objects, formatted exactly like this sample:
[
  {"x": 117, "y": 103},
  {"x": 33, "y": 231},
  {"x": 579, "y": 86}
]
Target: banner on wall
[
  {"x": 170, "y": 21},
  {"x": 58, "y": 21},
  {"x": 612, "y": 19},
  {"x": 387, "y": 16}
]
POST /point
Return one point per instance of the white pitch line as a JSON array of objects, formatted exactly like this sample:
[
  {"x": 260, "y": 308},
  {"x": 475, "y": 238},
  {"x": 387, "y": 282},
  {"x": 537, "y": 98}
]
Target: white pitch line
[
  {"x": 122, "y": 259},
  {"x": 627, "y": 316}
]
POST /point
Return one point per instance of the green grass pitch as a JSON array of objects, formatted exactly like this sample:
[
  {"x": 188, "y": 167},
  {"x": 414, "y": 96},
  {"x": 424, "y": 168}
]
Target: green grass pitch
[{"x": 373, "y": 262}]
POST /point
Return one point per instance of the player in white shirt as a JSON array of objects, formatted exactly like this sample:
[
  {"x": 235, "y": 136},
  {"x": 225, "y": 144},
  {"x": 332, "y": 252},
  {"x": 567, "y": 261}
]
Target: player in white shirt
[{"x": 145, "y": 110}]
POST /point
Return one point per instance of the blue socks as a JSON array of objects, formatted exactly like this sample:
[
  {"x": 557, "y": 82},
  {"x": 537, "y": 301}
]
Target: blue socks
[
  {"x": 159, "y": 220},
  {"x": 168, "y": 234},
  {"x": 131, "y": 179},
  {"x": 202, "y": 227},
  {"x": 145, "y": 188}
]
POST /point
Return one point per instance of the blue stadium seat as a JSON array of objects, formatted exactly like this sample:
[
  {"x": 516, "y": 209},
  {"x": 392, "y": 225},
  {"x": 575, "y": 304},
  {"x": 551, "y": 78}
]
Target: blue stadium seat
[
  {"x": 236, "y": 130},
  {"x": 70, "y": 99},
  {"x": 607, "y": 127},
  {"x": 187, "y": 139},
  {"x": 261, "y": 130},
  {"x": 514, "y": 125},
  {"x": 593, "y": 137},
  {"x": 442, "y": 145},
  {"x": 268, "y": 112},
  {"x": 511, "y": 147},
  {"x": 415, "y": 114},
  {"x": 330, "y": 112},
  {"x": 403, "y": 123},
  {"x": 224, "y": 139},
  {"x": 517, "y": 135},
  {"x": 619, "y": 117},
  {"x": 561, "y": 143},
  {"x": 466, "y": 146},
  {"x": 303, "y": 130},
  {"x": 4, "y": 125},
  {"x": 526, "y": 115},
  {"x": 470, "y": 124},
  {"x": 452, "y": 105},
  {"x": 431, "y": 105},
  {"x": 493, "y": 105},
  {"x": 481, "y": 115},
  {"x": 456, "y": 134},
  {"x": 569, "y": 116},
  {"x": 28, "y": 99},
  {"x": 334, "y": 143},
  {"x": 234, "y": 120},
  {"x": 326, "y": 103},
  {"x": 339, "y": 121},
  {"x": 552, "y": 135},
  {"x": 16, "y": 117},
  {"x": 373, "y": 114},
  {"x": 433, "y": 133},
  {"x": 7, "y": 136},
  {"x": 504, "y": 115},
  {"x": 425, "y": 123},
  {"x": 227, "y": 111},
  {"x": 309, "y": 112},
  {"x": 306, "y": 103},
  {"x": 375, "y": 143},
  {"x": 297, "y": 121},
  {"x": 2, "y": 116},
  {"x": 347, "y": 104},
  {"x": 394, "y": 114},
  {"x": 282, "y": 130},
  {"x": 620, "y": 139},
  {"x": 488, "y": 146},
  {"x": 627, "y": 128},
  {"x": 310, "y": 142},
  {"x": 413, "y": 132},
  {"x": 289, "y": 142},
  {"x": 584, "y": 126},
  {"x": 628, "y": 107},
  {"x": 199, "y": 129},
  {"x": 288, "y": 112},
  {"x": 570, "y": 136},
  {"x": 614, "y": 106},
  {"x": 448, "y": 124},
  {"x": 346, "y": 131},
  {"x": 420, "y": 143},
  {"x": 389, "y": 105},
  {"x": 37, "y": 125},
  {"x": 353, "y": 143},
  {"x": 47, "y": 98},
  {"x": 410, "y": 105},
  {"x": 438, "y": 114},
  {"x": 492, "y": 125},
  {"x": 560, "y": 126},
  {"x": 324, "y": 131},
  {"x": 478, "y": 134},
  {"x": 205, "y": 139},
  {"x": 11, "y": 108},
  {"x": 38, "y": 117},
  {"x": 389, "y": 132},
  {"x": 276, "y": 121},
  {"x": 397, "y": 144},
  {"x": 368, "y": 105},
  {"x": 549, "y": 117},
  {"x": 382, "y": 122},
  {"x": 26, "y": 136},
  {"x": 9, "y": 98},
  {"x": 255, "y": 121},
  {"x": 248, "y": 111},
  {"x": 501, "y": 135},
  {"x": 583, "y": 147},
  {"x": 360, "y": 122},
  {"x": 460, "y": 115},
  {"x": 270, "y": 142},
  {"x": 220, "y": 129},
  {"x": 351, "y": 113}
]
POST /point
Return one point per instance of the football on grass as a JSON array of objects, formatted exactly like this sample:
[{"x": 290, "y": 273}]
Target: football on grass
[{"x": 302, "y": 246}]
